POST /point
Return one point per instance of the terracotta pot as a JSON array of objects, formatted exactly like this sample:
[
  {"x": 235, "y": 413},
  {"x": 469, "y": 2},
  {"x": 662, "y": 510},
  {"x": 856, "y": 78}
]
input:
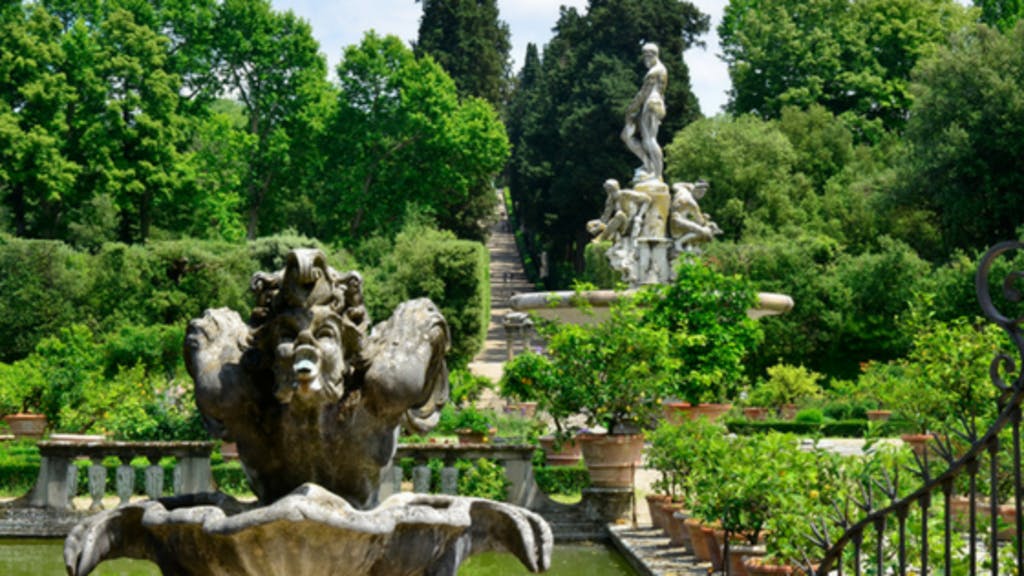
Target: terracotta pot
[
  {"x": 568, "y": 455},
  {"x": 26, "y": 425},
  {"x": 677, "y": 412},
  {"x": 701, "y": 542},
  {"x": 676, "y": 527},
  {"x": 655, "y": 504},
  {"x": 715, "y": 538},
  {"x": 470, "y": 437},
  {"x": 710, "y": 411},
  {"x": 757, "y": 567},
  {"x": 739, "y": 553},
  {"x": 879, "y": 415},
  {"x": 788, "y": 411},
  {"x": 1008, "y": 514},
  {"x": 611, "y": 459},
  {"x": 229, "y": 450},
  {"x": 755, "y": 413},
  {"x": 524, "y": 409},
  {"x": 917, "y": 442}
]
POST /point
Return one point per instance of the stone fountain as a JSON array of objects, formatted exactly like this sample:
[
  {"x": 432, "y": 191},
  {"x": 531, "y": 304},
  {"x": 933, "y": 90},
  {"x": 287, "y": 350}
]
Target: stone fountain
[
  {"x": 314, "y": 399},
  {"x": 649, "y": 225}
]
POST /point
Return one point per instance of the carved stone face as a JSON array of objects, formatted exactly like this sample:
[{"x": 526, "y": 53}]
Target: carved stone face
[{"x": 308, "y": 357}]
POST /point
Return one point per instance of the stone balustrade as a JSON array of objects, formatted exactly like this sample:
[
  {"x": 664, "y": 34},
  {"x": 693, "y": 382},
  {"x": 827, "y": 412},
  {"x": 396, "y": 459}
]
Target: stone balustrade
[
  {"x": 58, "y": 476},
  {"x": 515, "y": 459}
]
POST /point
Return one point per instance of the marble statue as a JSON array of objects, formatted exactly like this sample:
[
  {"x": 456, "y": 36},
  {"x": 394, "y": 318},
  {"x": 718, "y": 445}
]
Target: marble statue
[
  {"x": 644, "y": 115},
  {"x": 649, "y": 229},
  {"x": 624, "y": 210},
  {"x": 689, "y": 227},
  {"x": 314, "y": 399}
]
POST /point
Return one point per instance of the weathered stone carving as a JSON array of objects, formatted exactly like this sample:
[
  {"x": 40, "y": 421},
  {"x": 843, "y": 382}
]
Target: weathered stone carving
[
  {"x": 689, "y": 227},
  {"x": 314, "y": 399},
  {"x": 306, "y": 393},
  {"x": 310, "y": 531},
  {"x": 644, "y": 115},
  {"x": 648, "y": 239}
]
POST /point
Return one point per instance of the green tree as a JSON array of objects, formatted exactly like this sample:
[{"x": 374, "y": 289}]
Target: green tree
[
  {"x": 853, "y": 57},
  {"x": 751, "y": 167},
  {"x": 591, "y": 70},
  {"x": 35, "y": 174},
  {"x": 405, "y": 144},
  {"x": 966, "y": 138},
  {"x": 469, "y": 41},
  {"x": 1001, "y": 14},
  {"x": 271, "y": 63}
]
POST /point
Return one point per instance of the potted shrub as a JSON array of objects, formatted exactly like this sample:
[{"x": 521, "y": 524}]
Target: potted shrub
[
  {"x": 21, "y": 393},
  {"x": 472, "y": 425},
  {"x": 705, "y": 315},
  {"x": 785, "y": 387},
  {"x": 614, "y": 373},
  {"x": 531, "y": 377}
]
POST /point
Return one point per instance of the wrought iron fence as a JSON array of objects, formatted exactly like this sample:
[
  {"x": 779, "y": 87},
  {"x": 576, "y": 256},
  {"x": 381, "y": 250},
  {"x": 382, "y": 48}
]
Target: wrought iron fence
[{"x": 875, "y": 532}]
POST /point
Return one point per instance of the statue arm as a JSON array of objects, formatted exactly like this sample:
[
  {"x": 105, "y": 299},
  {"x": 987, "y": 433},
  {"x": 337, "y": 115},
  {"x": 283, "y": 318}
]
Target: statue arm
[{"x": 407, "y": 370}]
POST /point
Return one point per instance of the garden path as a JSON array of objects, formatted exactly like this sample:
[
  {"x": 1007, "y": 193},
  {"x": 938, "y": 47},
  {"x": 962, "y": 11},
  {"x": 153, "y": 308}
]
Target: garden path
[{"x": 507, "y": 278}]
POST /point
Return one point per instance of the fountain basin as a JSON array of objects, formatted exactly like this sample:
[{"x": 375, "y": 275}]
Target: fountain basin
[{"x": 562, "y": 305}]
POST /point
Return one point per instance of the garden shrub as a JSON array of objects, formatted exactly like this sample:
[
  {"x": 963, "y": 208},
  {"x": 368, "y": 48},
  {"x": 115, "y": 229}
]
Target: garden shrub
[
  {"x": 838, "y": 429},
  {"x": 482, "y": 479},
  {"x": 565, "y": 480},
  {"x": 45, "y": 286},
  {"x": 810, "y": 416},
  {"x": 453, "y": 273},
  {"x": 597, "y": 270}
]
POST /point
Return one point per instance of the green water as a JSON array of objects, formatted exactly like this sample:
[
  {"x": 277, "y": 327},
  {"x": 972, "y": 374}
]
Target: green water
[{"x": 43, "y": 558}]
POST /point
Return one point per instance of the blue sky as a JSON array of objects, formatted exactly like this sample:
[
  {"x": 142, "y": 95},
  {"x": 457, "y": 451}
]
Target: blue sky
[{"x": 339, "y": 23}]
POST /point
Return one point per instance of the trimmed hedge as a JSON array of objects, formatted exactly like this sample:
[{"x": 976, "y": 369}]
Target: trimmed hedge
[
  {"x": 566, "y": 480},
  {"x": 49, "y": 285},
  {"x": 838, "y": 429}
]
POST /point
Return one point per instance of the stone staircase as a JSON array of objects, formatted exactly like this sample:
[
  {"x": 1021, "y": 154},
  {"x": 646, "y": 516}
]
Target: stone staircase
[{"x": 507, "y": 278}]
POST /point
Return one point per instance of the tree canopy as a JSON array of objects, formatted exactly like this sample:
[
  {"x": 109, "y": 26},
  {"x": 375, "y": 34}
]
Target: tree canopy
[
  {"x": 471, "y": 43},
  {"x": 128, "y": 120}
]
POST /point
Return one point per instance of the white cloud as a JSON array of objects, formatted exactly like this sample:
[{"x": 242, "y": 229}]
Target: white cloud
[{"x": 342, "y": 22}]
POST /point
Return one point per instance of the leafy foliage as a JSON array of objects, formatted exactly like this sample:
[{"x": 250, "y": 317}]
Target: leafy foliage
[
  {"x": 469, "y": 41},
  {"x": 704, "y": 314}
]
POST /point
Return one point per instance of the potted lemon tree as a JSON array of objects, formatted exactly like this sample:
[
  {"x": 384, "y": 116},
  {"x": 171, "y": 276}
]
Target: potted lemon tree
[{"x": 615, "y": 374}]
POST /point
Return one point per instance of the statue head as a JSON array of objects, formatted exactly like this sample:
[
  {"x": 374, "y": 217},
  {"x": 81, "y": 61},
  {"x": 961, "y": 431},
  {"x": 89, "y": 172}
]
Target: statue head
[
  {"x": 611, "y": 187},
  {"x": 650, "y": 52},
  {"x": 310, "y": 324},
  {"x": 700, "y": 188}
]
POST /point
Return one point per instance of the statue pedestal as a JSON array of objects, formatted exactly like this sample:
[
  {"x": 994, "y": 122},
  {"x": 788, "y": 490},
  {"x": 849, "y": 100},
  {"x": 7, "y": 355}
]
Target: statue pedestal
[{"x": 653, "y": 266}]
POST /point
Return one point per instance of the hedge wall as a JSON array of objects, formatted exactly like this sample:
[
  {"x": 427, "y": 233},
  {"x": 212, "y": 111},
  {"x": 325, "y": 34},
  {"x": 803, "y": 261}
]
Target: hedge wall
[{"x": 48, "y": 285}]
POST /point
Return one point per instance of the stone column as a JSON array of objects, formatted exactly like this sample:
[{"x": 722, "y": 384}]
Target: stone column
[
  {"x": 449, "y": 480},
  {"x": 125, "y": 480},
  {"x": 192, "y": 475},
  {"x": 154, "y": 478},
  {"x": 97, "y": 483},
  {"x": 51, "y": 488}
]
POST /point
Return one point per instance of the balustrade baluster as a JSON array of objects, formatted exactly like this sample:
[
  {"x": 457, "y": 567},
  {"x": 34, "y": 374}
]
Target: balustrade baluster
[
  {"x": 449, "y": 480},
  {"x": 97, "y": 483},
  {"x": 125, "y": 480},
  {"x": 154, "y": 478},
  {"x": 72, "y": 483},
  {"x": 421, "y": 479}
]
